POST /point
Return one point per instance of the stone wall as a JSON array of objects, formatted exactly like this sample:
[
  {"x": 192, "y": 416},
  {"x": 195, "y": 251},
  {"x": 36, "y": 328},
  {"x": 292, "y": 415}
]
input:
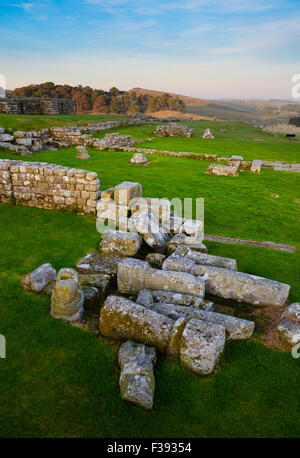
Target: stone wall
[
  {"x": 36, "y": 105},
  {"x": 174, "y": 130},
  {"x": 43, "y": 185}
]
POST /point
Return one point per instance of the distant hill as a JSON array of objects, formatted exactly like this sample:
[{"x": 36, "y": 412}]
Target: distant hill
[
  {"x": 265, "y": 111},
  {"x": 89, "y": 100}
]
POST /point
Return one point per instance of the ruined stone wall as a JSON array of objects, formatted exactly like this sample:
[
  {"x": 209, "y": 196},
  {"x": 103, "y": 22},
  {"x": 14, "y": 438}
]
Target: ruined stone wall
[
  {"x": 36, "y": 105},
  {"x": 43, "y": 185}
]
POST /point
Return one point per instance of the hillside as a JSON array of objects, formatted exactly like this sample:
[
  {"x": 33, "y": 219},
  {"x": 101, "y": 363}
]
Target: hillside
[{"x": 265, "y": 111}]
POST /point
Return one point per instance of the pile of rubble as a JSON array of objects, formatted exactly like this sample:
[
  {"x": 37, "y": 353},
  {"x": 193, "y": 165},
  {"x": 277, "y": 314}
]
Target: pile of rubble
[
  {"x": 148, "y": 284},
  {"x": 26, "y": 143},
  {"x": 174, "y": 130}
]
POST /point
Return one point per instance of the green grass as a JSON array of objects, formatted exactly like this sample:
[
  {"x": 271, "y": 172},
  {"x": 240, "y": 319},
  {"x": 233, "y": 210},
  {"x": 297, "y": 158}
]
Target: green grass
[
  {"x": 59, "y": 381},
  {"x": 238, "y": 140},
  {"x": 240, "y": 206},
  {"x": 35, "y": 122}
]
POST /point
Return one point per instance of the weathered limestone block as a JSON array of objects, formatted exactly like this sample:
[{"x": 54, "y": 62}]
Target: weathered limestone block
[
  {"x": 206, "y": 259},
  {"x": 110, "y": 211},
  {"x": 199, "y": 344},
  {"x": 82, "y": 152},
  {"x": 289, "y": 327},
  {"x": 139, "y": 158},
  {"x": 225, "y": 170},
  {"x": 107, "y": 195},
  {"x": 137, "y": 383},
  {"x": 102, "y": 282},
  {"x": 147, "y": 298},
  {"x": 160, "y": 208},
  {"x": 184, "y": 240},
  {"x": 155, "y": 260},
  {"x": 126, "y": 191},
  {"x": 238, "y": 286},
  {"x": 24, "y": 141},
  {"x": 147, "y": 225},
  {"x": 120, "y": 243},
  {"x": 208, "y": 134},
  {"x": 37, "y": 280},
  {"x": 292, "y": 312},
  {"x": 237, "y": 328},
  {"x": 256, "y": 166},
  {"x": 289, "y": 330},
  {"x": 67, "y": 298},
  {"x": 6, "y": 138},
  {"x": 19, "y": 134},
  {"x": 135, "y": 275},
  {"x": 98, "y": 263},
  {"x": 178, "y": 225}
]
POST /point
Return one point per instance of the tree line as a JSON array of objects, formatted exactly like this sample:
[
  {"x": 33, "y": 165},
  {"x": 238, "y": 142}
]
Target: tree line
[{"x": 92, "y": 100}]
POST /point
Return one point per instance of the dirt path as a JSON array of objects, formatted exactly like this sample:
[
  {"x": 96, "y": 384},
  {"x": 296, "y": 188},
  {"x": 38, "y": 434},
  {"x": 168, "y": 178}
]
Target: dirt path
[{"x": 274, "y": 246}]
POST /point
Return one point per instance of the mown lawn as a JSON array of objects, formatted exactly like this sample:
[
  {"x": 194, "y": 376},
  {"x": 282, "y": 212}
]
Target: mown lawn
[
  {"x": 239, "y": 139},
  {"x": 242, "y": 206},
  {"x": 32, "y": 122},
  {"x": 59, "y": 381}
]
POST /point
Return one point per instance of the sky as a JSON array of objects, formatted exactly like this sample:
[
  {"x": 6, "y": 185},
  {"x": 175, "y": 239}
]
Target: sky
[{"x": 210, "y": 49}]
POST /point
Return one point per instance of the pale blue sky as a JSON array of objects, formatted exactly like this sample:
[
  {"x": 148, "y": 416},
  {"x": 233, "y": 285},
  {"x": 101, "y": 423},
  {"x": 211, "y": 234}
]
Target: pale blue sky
[{"x": 209, "y": 49}]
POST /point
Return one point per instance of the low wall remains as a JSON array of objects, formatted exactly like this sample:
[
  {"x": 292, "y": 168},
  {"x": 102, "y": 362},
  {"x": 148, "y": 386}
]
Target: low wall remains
[{"x": 50, "y": 186}]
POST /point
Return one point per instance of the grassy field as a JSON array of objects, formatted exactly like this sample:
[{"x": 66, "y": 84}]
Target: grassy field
[
  {"x": 34, "y": 122},
  {"x": 59, "y": 381},
  {"x": 239, "y": 139},
  {"x": 241, "y": 206}
]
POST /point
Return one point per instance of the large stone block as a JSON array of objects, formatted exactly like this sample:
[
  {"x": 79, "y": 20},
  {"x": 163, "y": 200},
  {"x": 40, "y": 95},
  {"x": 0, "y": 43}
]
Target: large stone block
[
  {"x": 120, "y": 243},
  {"x": 185, "y": 240},
  {"x": 206, "y": 259},
  {"x": 137, "y": 383},
  {"x": 126, "y": 191},
  {"x": 199, "y": 344},
  {"x": 67, "y": 298},
  {"x": 219, "y": 169},
  {"x": 147, "y": 298},
  {"x": 160, "y": 208},
  {"x": 238, "y": 286},
  {"x": 98, "y": 263},
  {"x": 147, "y": 225},
  {"x": 289, "y": 327},
  {"x": 37, "y": 280},
  {"x": 237, "y": 328},
  {"x": 135, "y": 275}
]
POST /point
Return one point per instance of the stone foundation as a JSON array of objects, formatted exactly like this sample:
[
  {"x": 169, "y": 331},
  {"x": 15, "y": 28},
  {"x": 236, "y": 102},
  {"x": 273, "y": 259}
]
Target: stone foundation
[{"x": 50, "y": 186}]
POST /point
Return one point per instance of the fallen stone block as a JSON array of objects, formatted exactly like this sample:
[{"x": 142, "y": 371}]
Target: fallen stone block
[
  {"x": 126, "y": 191},
  {"x": 110, "y": 211},
  {"x": 120, "y": 243},
  {"x": 37, "y": 280},
  {"x": 199, "y": 344},
  {"x": 147, "y": 297},
  {"x": 139, "y": 158},
  {"x": 107, "y": 195},
  {"x": 238, "y": 286},
  {"x": 98, "y": 263},
  {"x": 289, "y": 327},
  {"x": 102, "y": 282},
  {"x": 225, "y": 170},
  {"x": 148, "y": 227},
  {"x": 207, "y": 134},
  {"x": 289, "y": 330},
  {"x": 256, "y": 166},
  {"x": 67, "y": 298},
  {"x": 185, "y": 240},
  {"x": 160, "y": 208},
  {"x": 137, "y": 382},
  {"x": 206, "y": 259},
  {"x": 135, "y": 275},
  {"x": 237, "y": 328},
  {"x": 155, "y": 260}
]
